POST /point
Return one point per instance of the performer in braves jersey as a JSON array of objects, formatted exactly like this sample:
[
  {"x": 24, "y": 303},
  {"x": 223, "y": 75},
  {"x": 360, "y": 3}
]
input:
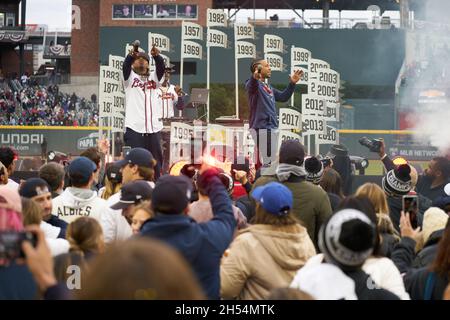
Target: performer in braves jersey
[
  {"x": 170, "y": 96},
  {"x": 142, "y": 110}
]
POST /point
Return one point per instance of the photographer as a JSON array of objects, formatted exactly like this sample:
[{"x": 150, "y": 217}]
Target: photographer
[
  {"x": 431, "y": 183},
  {"x": 342, "y": 164}
]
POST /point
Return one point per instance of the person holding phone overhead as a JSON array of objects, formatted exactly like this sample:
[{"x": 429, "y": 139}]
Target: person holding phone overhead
[{"x": 263, "y": 113}]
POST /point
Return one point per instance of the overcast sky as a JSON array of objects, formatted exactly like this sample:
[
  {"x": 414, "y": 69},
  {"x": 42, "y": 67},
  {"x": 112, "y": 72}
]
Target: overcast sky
[
  {"x": 54, "y": 13},
  {"x": 57, "y": 14}
]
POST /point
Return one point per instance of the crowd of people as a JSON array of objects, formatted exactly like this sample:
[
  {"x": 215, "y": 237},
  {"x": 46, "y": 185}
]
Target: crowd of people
[
  {"x": 30, "y": 104},
  {"x": 91, "y": 230}
]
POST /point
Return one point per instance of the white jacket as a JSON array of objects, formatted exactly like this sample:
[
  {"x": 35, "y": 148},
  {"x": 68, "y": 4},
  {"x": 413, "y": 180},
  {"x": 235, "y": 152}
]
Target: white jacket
[
  {"x": 115, "y": 226},
  {"x": 74, "y": 203},
  {"x": 56, "y": 245},
  {"x": 382, "y": 271}
]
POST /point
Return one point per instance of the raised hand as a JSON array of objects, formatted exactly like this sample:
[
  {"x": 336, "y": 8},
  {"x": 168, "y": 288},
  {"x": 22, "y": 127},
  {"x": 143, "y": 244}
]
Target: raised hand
[
  {"x": 154, "y": 52},
  {"x": 296, "y": 76}
]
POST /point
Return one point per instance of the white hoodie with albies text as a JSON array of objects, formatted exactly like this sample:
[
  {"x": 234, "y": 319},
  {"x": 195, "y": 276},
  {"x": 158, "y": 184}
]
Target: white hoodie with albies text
[{"x": 75, "y": 202}]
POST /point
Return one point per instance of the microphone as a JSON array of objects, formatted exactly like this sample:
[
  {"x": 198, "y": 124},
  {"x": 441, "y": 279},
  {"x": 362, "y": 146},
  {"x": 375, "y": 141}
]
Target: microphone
[
  {"x": 259, "y": 68},
  {"x": 136, "y": 44}
]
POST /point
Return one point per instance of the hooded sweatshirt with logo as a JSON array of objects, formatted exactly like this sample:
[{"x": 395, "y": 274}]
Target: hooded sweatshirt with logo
[
  {"x": 75, "y": 202},
  {"x": 262, "y": 258}
]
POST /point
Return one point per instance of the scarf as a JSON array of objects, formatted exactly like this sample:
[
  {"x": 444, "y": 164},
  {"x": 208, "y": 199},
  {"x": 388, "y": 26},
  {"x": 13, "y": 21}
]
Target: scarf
[{"x": 284, "y": 171}]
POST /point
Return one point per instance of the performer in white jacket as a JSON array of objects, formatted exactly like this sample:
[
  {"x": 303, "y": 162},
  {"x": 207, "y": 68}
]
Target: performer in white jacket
[{"x": 79, "y": 200}]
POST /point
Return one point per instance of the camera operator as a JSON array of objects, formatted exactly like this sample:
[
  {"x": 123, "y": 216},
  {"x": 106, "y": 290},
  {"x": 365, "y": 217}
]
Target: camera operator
[
  {"x": 431, "y": 183},
  {"x": 342, "y": 164}
]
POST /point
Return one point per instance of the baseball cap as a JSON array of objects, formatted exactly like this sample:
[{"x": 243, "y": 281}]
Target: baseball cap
[
  {"x": 143, "y": 55},
  {"x": 34, "y": 187},
  {"x": 137, "y": 156},
  {"x": 82, "y": 166},
  {"x": 10, "y": 199},
  {"x": 274, "y": 197},
  {"x": 132, "y": 193},
  {"x": 172, "y": 194},
  {"x": 292, "y": 152}
]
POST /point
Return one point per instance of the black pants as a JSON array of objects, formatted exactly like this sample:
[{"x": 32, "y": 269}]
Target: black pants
[{"x": 149, "y": 141}]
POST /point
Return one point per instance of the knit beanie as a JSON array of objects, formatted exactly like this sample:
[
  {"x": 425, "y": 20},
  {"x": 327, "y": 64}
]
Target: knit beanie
[
  {"x": 434, "y": 219},
  {"x": 314, "y": 170},
  {"x": 347, "y": 239},
  {"x": 397, "y": 182}
]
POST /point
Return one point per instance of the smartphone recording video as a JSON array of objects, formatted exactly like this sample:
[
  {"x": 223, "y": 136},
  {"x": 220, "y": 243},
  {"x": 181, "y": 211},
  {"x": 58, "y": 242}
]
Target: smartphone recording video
[{"x": 410, "y": 204}]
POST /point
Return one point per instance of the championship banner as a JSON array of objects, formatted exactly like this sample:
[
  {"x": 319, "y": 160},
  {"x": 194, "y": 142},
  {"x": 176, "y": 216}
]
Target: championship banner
[
  {"x": 216, "y": 38},
  {"x": 331, "y": 136},
  {"x": 316, "y": 64},
  {"x": 275, "y": 61},
  {"x": 180, "y": 133},
  {"x": 216, "y": 18},
  {"x": 313, "y": 124},
  {"x": 332, "y": 111},
  {"x": 118, "y": 122},
  {"x": 109, "y": 86},
  {"x": 244, "y": 31},
  {"x": 116, "y": 62},
  {"x": 300, "y": 56},
  {"x": 129, "y": 47},
  {"x": 192, "y": 50},
  {"x": 323, "y": 89},
  {"x": 273, "y": 43},
  {"x": 313, "y": 105},
  {"x": 191, "y": 31},
  {"x": 290, "y": 119},
  {"x": 285, "y": 135},
  {"x": 245, "y": 49},
  {"x": 161, "y": 41}
]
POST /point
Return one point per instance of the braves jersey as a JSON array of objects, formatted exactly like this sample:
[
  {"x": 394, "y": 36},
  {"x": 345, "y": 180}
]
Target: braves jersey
[
  {"x": 143, "y": 113},
  {"x": 167, "y": 98}
]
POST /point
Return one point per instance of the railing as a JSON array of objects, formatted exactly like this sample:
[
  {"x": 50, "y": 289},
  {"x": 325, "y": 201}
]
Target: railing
[
  {"x": 57, "y": 51},
  {"x": 329, "y": 23},
  {"x": 9, "y": 35}
]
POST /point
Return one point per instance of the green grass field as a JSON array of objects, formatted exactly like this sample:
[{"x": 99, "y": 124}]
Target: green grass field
[{"x": 376, "y": 167}]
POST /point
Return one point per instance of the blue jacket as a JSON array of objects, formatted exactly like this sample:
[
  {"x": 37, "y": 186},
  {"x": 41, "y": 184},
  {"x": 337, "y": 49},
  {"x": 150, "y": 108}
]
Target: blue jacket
[
  {"x": 261, "y": 100},
  {"x": 57, "y": 222},
  {"x": 202, "y": 244},
  {"x": 17, "y": 283}
]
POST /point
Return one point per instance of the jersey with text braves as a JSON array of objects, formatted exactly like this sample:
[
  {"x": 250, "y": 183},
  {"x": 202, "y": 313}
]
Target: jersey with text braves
[
  {"x": 143, "y": 111},
  {"x": 167, "y": 98}
]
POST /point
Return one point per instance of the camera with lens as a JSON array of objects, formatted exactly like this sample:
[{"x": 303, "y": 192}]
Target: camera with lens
[
  {"x": 326, "y": 160},
  {"x": 11, "y": 244},
  {"x": 373, "y": 145}
]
